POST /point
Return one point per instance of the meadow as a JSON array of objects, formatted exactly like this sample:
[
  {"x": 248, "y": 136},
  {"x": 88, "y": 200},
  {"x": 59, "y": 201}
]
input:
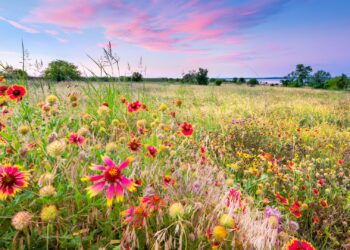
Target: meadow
[{"x": 160, "y": 166}]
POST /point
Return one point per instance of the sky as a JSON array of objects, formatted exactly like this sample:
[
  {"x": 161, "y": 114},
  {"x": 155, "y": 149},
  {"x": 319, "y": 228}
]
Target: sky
[{"x": 250, "y": 38}]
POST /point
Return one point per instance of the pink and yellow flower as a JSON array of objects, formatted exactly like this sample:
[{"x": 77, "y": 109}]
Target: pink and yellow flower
[
  {"x": 186, "y": 129},
  {"x": 152, "y": 151},
  {"x": 136, "y": 216},
  {"x": 76, "y": 139},
  {"x": 154, "y": 202},
  {"x": 296, "y": 244},
  {"x": 134, "y": 106},
  {"x": 11, "y": 180},
  {"x": 112, "y": 181}
]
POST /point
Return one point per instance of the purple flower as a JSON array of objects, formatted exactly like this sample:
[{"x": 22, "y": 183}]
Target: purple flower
[{"x": 271, "y": 211}]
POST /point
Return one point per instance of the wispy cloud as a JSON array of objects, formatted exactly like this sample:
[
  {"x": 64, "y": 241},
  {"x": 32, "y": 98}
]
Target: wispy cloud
[
  {"x": 18, "y": 25},
  {"x": 159, "y": 24}
]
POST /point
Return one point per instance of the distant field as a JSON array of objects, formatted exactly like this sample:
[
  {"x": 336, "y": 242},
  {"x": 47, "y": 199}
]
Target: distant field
[{"x": 254, "y": 168}]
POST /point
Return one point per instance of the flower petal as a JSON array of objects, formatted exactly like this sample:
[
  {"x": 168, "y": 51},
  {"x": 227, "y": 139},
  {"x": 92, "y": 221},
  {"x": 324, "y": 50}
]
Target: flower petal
[
  {"x": 108, "y": 161},
  {"x": 109, "y": 194}
]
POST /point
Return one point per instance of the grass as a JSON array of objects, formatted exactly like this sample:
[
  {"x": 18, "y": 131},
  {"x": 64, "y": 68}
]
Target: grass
[{"x": 258, "y": 141}]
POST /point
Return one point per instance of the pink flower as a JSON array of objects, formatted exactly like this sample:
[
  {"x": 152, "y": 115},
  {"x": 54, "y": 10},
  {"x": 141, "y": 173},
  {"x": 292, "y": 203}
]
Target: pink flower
[
  {"x": 152, "y": 151},
  {"x": 76, "y": 139},
  {"x": 112, "y": 181},
  {"x": 136, "y": 216},
  {"x": 186, "y": 129},
  {"x": 134, "y": 106}
]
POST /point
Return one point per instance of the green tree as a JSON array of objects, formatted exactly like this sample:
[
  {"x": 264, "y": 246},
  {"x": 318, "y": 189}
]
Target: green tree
[
  {"x": 339, "y": 82},
  {"x": 253, "y": 82},
  {"x": 299, "y": 77},
  {"x": 136, "y": 77},
  {"x": 320, "y": 79},
  {"x": 190, "y": 77},
  {"x": 241, "y": 80},
  {"x": 202, "y": 76},
  {"x": 60, "y": 70}
]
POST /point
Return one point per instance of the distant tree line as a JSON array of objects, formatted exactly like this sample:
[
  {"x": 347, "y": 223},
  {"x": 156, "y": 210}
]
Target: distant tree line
[{"x": 302, "y": 76}]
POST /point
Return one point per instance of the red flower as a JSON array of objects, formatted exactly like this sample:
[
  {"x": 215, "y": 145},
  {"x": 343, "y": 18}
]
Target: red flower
[
  {"x": 296, "y": 244},
  {"x": 340, "y": 162},
  {"x": 281, "y": 198},
  {"x": 233, "y": 197},
  {"x": 152, "y": 151},
  {"x": 153, "y": 202},
  {"x": 168, "y": 180},
  {"x": 295, "y": 209},
  {"x": 16, "y": 92},
  {"x": 134, "y": 106},
  {"x": 186, "y": 129},
  {"x": 315, "y": 219},
  {"x": 315, "y": 191},
  {"x": 11, "y": 180},
  {"x": 324, "y": 203},
  {"x": 76, "y": 139},
  {"x": 111, "y": 180},
  {"x": 136, "y": 216},
  {"x": 320, "y": 182},
  {"x": 134, "y": 145},
  {"x": 3, "y": 90}
]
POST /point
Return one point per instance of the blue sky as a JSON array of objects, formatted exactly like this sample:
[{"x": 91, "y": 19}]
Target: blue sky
[{"x": 230, "y": 38}]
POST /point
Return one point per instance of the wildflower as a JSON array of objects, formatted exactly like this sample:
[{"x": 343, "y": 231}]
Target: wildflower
[
  {"x": 315, "y": 219},
  {"x": 186, "y": 129},
  {"x": 219, "y": 233},
  {"x": 226, "y": 221},
  {"x": 178, "y": 103},
  {"x": 16, "y": 92},
  {"x": 83, "y": 131},
  {"x": 21, "y": 220},
  {"x": 176, "y": 210},
  {"x": 48, "y": 190},
  {"x": 152, "y": 151},
  {"x": 24, "y": 129},
  {"x": 168, "y": 180},
  {"x": 293, "y": 226},
  {"x": 163, "y": 107},
  {"x": 154, "y": 202},
  {"x": 296, "y": 244},
  {"x": 136, "y": 216},
  {"x": 103, "y": 110},
  {"x": 134, "y": 145},
  {"x": 3, "y": 90},
  {"x": 274, "y": 216},
  {"x": 281, "y": 199},
  {"x": 11, "y": 180},
  {"x": 111, "y": 180},
  {"x": 76, "y": 139},
  {"x": 48, "y": 213},
  {"x": 134, "y": 106},
  {"x": 315, "y": 191},
  {"x": 51, "y": 100},
  {"x": 233, "y": 197},
  {"x": 56, "y": 148},
  {"x": 324, "y": 203},
  {"x": 295, "y": 209},
  {"x": 46, "y": 179},
  {"x": 111, "y": 147}
]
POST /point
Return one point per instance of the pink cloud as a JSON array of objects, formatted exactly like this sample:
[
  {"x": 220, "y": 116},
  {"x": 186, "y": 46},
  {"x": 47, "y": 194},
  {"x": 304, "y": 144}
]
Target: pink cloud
[
  {"x": 19, "y": 26},
  {"x": 158, "y": 24}
]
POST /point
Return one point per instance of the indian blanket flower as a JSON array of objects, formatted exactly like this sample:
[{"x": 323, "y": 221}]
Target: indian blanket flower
[
  {"x": 134, "y": 106},
  {"x": 134, "y": 145},
  {"x": 186, "y": 129},
  {"x": 295, "y": 209},
  {"x": 16, "y": 92},
  {"x": 12, "y": 179},
  {"x": 136, "y": 216},
  {"x": 167, "y": 181},
  {"x": 154, "y": 202},
  {"x": 151, "y": 151},
  {"x": 76, "y": 139},
  {"x": 233, "y": 197},
  {"x": 296, "y": 244},
  {"x": 324, "y": 203},
  {"x": 281, "y": 198},
  {"x": 3, "y": 90},
  {"x": 111, "y": 180}
]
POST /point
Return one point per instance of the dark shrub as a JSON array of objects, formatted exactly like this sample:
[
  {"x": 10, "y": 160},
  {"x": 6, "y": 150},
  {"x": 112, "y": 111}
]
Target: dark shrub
[{"x": 60, "y": 70}]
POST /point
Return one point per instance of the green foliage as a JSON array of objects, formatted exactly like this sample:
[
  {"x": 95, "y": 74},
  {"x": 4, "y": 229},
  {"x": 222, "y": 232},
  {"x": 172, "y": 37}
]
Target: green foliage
[
  {"x": 299, "y": 77},
  {"x": 218, "y": 82},
  {"x": 241, "y": 80},
  {"x": 339, "y": 82},
  {"x": 320, "y": 79},
  {"x": 253, "y": 82},
  {"x": 136, "y": 77},
  {"x": 14, "y": 74},
  {"x": 60, "y": 70},
  {"x": 194, "y": 77}
]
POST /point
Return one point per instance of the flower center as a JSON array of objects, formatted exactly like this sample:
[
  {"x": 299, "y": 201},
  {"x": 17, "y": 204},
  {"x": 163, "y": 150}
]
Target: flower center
[
  {"x": 112, "y": 174},
  {"x": 8, "y": 180},
  {"x": 16, "y": 92}
]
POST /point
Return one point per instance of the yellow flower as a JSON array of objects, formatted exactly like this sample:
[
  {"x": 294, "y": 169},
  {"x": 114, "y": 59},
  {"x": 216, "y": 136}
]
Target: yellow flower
[
  {"x": 226, "y": 221},
  {"x": 176, "y": 210},
  {"x": 103, "y": 110},
  {"x": 51, "y": 100},
  {"x": 56, "y": 148},
  {"x": 24, "y": 129},
  {"x": 219, "y": 233},
  {"x": 48, "y": 213},
  {"x": 163, "y": 107}
]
